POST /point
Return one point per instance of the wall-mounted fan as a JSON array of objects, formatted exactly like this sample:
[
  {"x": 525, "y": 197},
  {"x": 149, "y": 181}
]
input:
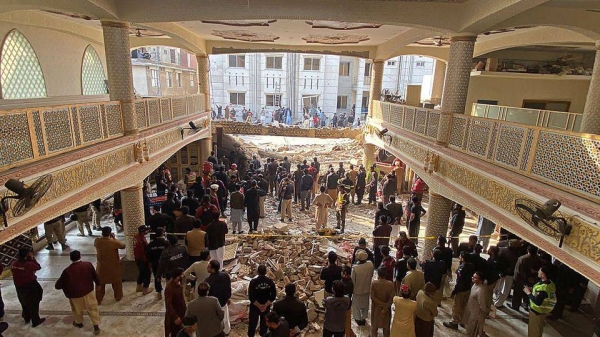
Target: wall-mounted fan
[
  {"x": 545, "y": 218},
  {"x": 26, "y": 195}
]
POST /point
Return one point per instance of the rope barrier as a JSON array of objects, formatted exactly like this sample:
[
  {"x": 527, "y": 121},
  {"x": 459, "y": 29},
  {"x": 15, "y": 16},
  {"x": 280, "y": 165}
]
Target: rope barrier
[{"x": 316, "y": 236}]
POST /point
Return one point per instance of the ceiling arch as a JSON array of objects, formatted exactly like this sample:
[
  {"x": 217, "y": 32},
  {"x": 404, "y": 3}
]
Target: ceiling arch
[
  {"x": 104, "y": 9},
  {"x": 527, "y": 37}
]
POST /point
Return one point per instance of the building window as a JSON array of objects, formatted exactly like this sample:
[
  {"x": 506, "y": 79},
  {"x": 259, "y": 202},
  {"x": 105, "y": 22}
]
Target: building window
[
  {"x": 21, "y": 74},
  {"x": 420, "y": 64},
  {"x": 344, "y": 68},
  {"x": 310, "y": 101},
  {"x": 368, "y": 69},
  {"x": 169, "y": 79},
  {"x": 237, "y": 98},
  {"x": 192, "y": 75},
  {"x": 312, "y": 63},
  {"x": 342, "y": 102},
  {"x": 273, "y": 100},
  {"x": 274, "y": 62},
  {"x": 391, "y": 63},
  {"x": 93, "y": 81},
  {"x": 237, "y": 61},
  {"x": 178, "y": 79},
  {"x": 154, "y": 77}
]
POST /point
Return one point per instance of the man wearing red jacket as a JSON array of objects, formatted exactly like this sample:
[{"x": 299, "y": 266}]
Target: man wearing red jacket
[
  {"x": 77, "y": 282},
  {"x": 140, "y": 246},
  {"x": 29, "y": 291}
]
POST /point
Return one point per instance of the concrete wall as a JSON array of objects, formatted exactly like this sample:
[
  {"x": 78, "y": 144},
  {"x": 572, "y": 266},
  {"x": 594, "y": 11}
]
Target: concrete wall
[
  {"x": 512, "y": 91},
  {"x": 60, "y": 56}
]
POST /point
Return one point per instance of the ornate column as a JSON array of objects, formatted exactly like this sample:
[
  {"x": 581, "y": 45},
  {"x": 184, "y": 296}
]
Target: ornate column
[
  {"x": 591, "y": 111},
  {"x": 376, "y": 83},
  {"x": 118, "y": 65},
  {"x": 368, "y": 155},
  {"x": 456, "y": 84},
  {"x": 438, "y": 215},
  {"x": 203, "y": 79},
  {"x": 205, "y": 148},
  {"x": 132, "y": 202}
]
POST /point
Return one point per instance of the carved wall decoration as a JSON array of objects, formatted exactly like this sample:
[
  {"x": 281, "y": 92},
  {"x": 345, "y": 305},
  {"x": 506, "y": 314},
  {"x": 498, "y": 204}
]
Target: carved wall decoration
[
  {"x": 244, "y": 35},
  {"x": 241, "y": 128},
  {"x": 338, "y": 25},
  {"x": 335, "y": 39},
  {"x": 241, "y": 23}
]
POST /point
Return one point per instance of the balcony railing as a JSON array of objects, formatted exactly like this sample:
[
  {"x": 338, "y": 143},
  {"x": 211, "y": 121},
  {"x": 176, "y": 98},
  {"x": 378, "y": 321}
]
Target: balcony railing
[
  {"x": 30, "y": 134},
  {"x": 567, "y": 160},
  {"x": 569, "y": 121},
  {"x": 154, "y": 111}
]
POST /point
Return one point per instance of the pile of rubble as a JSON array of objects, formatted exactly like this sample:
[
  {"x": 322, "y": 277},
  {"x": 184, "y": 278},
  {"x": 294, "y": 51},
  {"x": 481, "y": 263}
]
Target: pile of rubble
[{"x": 289, "y": 259}]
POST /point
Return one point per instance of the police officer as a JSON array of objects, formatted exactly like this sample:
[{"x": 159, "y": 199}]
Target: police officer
[{"x": 542, "y": 299}]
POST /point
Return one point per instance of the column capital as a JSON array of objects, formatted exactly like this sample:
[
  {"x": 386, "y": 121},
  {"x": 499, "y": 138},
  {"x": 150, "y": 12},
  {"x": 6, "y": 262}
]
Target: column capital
[
  {"x": 116, "y": 24},
  {"x": 463, "y": 37},
  {"x": 201, "y": 56},
  {"x": 134, "y": 188},
  {"x": 598, "y": 45},
  {"x": 378, "y": 61}
]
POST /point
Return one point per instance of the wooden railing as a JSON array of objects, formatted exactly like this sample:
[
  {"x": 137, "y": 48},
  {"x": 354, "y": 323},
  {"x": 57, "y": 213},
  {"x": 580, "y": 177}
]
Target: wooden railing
[
  {"x": 34, "y": 133},
  {"x": 569, "y": 121},
  {"x": 567, "y": 160}
]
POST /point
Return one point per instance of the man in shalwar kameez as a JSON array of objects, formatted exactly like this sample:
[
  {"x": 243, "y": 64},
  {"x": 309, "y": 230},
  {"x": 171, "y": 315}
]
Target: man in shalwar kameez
[
  {"x": 322, "y": 202},
  {"x": 362, "y": 275}
]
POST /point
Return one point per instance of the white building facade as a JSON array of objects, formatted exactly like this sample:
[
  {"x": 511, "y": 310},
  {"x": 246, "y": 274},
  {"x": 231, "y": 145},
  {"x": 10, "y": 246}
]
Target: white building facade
[{"x": 333, "y": 83}]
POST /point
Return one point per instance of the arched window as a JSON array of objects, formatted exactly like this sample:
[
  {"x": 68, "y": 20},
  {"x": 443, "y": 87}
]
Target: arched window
[
  {"x": 20, "y": 72},
  {"x": 93, "y": 81}
]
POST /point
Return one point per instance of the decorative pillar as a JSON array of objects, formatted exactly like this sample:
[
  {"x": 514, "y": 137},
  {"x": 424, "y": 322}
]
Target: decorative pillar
[
  {"x": 376, "y": 83},
  {"x": 132, "y": 202},
  {"x": 591, "y": 111},
  {"x": 437, "y": 222},
  {"x": 439, "y": 74},
  {"x": 368, "y": 155},
  {"x": 203, "y": 79},
  {"x": 456, "y": 84},
  {"x": 205, "y": 148},
  {"x": 118, "y": 65}
]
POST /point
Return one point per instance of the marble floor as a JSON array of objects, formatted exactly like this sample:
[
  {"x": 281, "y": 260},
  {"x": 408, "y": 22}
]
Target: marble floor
[{"x": 137, "y": 315}]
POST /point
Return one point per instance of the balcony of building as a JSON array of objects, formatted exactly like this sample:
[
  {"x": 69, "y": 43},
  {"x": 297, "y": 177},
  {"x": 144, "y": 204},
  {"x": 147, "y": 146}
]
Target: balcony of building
[{"x": 491, "y": 162}]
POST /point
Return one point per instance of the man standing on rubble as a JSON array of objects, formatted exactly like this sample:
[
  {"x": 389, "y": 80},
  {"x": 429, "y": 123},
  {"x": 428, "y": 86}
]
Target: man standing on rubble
[
  {"x": 261, "y": 293},
  {"x": 360, "y": 184},
  {"x": 362, "y": 275},
  {"x": 343, "y": 199},
  {"x": 293, "y": 309},
  {"x": 252, "y": 204},
  {"x": 323, "y": 201}
]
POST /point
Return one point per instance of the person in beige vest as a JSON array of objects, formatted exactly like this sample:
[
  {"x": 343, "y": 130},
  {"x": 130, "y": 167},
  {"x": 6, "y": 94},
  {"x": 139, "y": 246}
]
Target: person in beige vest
[
  {"x": 403, "y": 324},
  {"x": 426, "y": 311},
  {"x": 414, "y": 279},
  {"x": 109, "y": 264},
  {"x": 382, "y": 296},
  {"x": 195, "y": 241}
]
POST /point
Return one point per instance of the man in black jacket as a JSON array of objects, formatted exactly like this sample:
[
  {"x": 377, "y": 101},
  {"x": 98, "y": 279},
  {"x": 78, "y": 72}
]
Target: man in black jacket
[
  {"x": 252, "y": 204},
  {"x": 457, "y": 223},
  {"x": 261, "y": 292},
  {"x": 154, "y": 251},
  {"x": 173, "y": 257},
  {"x": 220, "y": 287},
  {"x": 297, "y": 178},
  {"x": 292, "y": 309},
  {"x": 215, "y": 235},
  {"x": 360, "y": 184},
  {"x": 306, "y": 185},
  {"x": 461, "y": 291},
  {"x": 332, "y": 183}
]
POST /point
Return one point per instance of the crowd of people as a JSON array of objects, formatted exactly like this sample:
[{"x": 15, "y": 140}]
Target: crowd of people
[
  {"x": 312, "y": 117},
  {"x": 399, "y": 294}
]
